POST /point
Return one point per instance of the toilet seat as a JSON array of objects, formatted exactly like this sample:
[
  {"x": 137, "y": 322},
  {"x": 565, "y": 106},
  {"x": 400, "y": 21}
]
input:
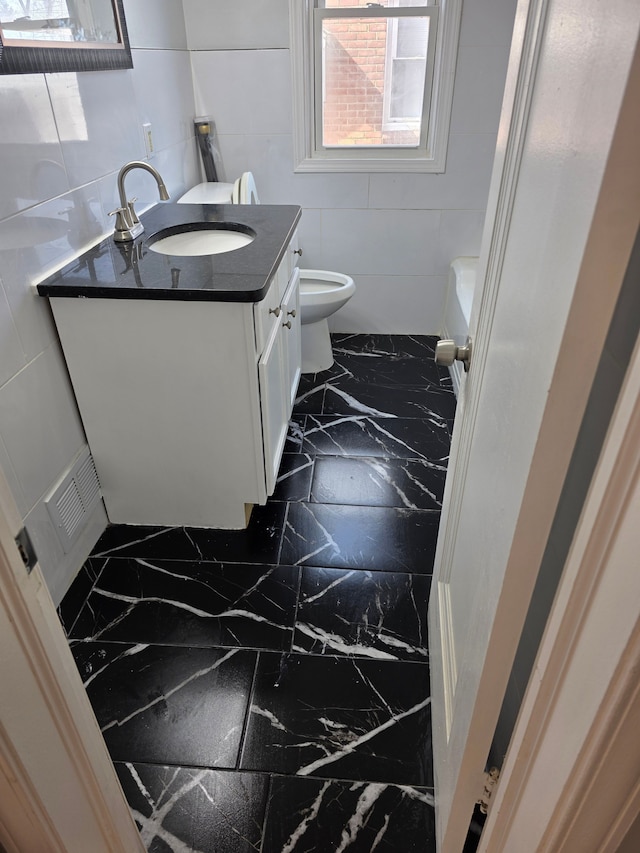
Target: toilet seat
[
  {"x": 322, "y": 286},
  {"x": 247, "y": 191}
]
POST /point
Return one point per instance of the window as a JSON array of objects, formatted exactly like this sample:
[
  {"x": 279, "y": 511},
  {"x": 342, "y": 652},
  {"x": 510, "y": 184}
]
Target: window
[{"x": 373, "y": 83}]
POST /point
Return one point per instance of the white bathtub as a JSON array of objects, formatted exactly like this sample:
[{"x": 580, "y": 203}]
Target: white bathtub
[{"x": 462, "y": 282}]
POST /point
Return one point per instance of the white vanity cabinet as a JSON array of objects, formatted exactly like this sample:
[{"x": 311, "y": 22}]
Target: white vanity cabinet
[{"x": 185, "y": 403}]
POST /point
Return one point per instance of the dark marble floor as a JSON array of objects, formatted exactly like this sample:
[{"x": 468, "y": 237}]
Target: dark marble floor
[{"x": 268, "y": 689}]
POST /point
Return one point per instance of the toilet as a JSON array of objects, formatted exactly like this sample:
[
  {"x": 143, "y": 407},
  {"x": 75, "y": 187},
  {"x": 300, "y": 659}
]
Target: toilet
[
  {"x": 247, "y": 192},
  {"x": 322, "y": 293}
]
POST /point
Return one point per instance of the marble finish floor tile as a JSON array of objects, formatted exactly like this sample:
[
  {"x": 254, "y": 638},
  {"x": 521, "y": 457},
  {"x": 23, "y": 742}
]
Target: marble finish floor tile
[
  {"x": 324, "y": 816},
  {"x": 190, "y": 809},
  {"x": 379, "y": 615},
  {"x": 258, "y": 543},
  {"x": 370, "y": 481},
  {"x": 295, "y": 434},
  {"x": 360, "y": 537},
  {"x": 310, "y": 398},
  {"x": 191, "y": 604},
  {"x": 340, "y": 718},
  {"x": 294, "y": 477},
  {"x": 79, "y": 591},
  {"x": 385, "y": 401},
  {"x": 359, "y": 435},
  {"x": 381, "y": 369},
  {"x": 167, "y": 704},
  {"x": 405, "y": 346}
]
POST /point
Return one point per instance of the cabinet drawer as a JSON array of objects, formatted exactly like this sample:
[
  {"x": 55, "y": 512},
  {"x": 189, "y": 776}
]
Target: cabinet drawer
[{"x": 266, "y": 314}]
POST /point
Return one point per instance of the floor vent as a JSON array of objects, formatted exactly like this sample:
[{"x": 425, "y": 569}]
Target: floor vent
[{"x": 72, "y": 501}]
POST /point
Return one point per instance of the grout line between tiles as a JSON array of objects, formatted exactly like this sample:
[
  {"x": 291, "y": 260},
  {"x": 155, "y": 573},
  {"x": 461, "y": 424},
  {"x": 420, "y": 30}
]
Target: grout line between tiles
[{"x": 247, "y": 715}]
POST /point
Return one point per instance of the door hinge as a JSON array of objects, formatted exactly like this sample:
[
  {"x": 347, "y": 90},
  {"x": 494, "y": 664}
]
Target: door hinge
[
  {"x": 488, "y": 787},
  {"x": 26, "y": 549}
]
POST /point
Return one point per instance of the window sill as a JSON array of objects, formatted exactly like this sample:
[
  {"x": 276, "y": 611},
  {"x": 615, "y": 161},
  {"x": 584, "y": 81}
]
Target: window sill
[{"x": 372, "y": 164}]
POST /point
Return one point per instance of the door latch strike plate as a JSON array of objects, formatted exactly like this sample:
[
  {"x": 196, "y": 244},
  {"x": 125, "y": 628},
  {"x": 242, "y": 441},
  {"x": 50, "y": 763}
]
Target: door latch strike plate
[
  {"x": 26, "y": 549},
  {"x": 488, "y": 787}
]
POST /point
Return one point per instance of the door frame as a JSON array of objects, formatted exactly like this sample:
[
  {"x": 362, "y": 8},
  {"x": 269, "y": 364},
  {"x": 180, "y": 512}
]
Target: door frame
[{"x": 58, "y": 787}]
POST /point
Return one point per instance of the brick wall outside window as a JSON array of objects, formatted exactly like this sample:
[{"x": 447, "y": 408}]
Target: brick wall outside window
[{"x": 355, "y": 56}]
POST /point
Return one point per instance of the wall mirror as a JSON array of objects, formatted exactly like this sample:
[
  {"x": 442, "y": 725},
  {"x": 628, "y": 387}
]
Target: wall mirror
[{"x": 62, "y": 35}]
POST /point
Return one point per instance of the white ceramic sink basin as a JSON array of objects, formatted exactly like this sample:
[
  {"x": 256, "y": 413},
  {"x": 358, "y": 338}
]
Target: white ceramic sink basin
[{"x": 203, "y": 240}]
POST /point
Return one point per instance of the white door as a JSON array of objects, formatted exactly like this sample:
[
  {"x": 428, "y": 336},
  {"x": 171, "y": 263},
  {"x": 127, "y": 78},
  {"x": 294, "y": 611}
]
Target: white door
[{"x": 561, "y": 220}]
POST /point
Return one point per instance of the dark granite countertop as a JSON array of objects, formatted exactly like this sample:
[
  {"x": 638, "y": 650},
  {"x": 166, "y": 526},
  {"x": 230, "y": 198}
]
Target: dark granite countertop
[{"x": 113, "y": 270}]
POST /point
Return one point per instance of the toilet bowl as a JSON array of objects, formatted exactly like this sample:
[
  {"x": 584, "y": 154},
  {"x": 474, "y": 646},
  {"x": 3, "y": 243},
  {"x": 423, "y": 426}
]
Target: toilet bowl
[{"x": 322, "y": 293}]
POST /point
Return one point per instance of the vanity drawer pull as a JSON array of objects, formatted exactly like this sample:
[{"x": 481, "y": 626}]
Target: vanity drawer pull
[
  {"x": 297, "y": 252},
  {"x": 287, "y": 324},
  {"x": 275, "y": 311},
  {"x": 291, "y": 313}
]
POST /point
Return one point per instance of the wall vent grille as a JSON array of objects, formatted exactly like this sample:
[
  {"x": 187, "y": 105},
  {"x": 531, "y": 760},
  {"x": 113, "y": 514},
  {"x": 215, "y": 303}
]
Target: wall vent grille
[{"x": 73, "y": 500}]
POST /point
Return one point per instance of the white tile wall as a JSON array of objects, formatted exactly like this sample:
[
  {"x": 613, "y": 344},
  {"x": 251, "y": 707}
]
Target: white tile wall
[
  {"x": 245, "y": 91},
  {"x": 97, "y": 122},
  {"x": 156, "y": 24},
  {"x": 12, "y": 481},
  {"x": 11, "y": 354},
  {"x": 395, "y": 231},
  {"x": 381, "y": 242},
  {"x": 164, "y": 95},
  {"x": 32, "y": 162},
  {"x": 480, "y": 75},
  {"x": 463, "y": 186},
  {"x": 460, "y": 236},
  {"x": 394, "y": 304},
  {"x": 40, "y": 446},
  {"x": 236, "y": 24},
  {"x": 63, "y": 138}
]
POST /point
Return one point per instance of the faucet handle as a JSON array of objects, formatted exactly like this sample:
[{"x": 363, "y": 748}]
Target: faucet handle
[
  {"x": 132, "y": 211},
  {"x": 122, "y": 221}
]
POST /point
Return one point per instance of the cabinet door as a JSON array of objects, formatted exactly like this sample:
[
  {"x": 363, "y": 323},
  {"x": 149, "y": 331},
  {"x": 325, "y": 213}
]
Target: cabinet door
[
  {"x": 274, "y": 404},
  {"x": 293, "y": 352},
  {"x": 294, "y": 253},
  {"x": 266, "y": 314}
]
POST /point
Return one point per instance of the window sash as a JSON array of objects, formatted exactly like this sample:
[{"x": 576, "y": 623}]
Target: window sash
[{"x": 382, "y": 150}]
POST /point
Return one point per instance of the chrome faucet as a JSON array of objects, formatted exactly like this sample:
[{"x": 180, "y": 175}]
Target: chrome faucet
[{"x": 128, "y": 226}]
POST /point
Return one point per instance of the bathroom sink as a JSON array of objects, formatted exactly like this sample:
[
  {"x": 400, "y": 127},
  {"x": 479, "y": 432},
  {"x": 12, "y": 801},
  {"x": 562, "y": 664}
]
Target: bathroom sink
[{"x": 201, "y": 238}]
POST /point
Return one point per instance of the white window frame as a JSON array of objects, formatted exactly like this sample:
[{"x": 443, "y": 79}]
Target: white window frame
[
  {"x": 430, "y": 156},
  {"x": 389, "y": 123}
]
